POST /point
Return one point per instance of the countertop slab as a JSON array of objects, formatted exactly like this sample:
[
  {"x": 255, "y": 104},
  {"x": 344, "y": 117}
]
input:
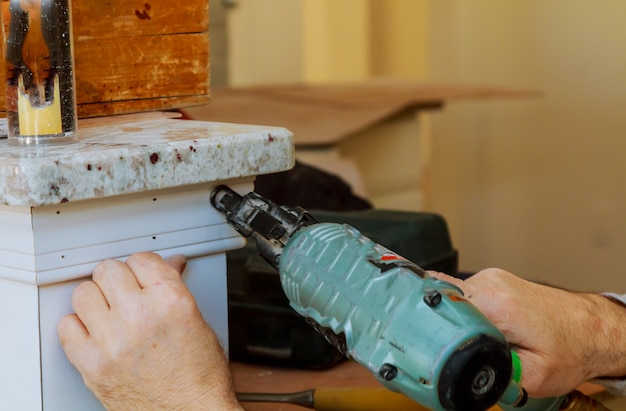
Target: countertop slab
[{"x": 140, "y": 153}]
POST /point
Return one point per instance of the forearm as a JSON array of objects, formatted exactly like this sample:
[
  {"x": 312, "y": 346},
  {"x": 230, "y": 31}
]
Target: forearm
[
  {"x": 611, "y": 335},
  {"x": 210, "y": 399},
  {"x": 216, "y": 392}
]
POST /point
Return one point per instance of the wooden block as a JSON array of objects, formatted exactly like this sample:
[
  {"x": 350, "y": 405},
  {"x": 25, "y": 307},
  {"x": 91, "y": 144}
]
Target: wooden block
[{"x": 133, "y": 56}]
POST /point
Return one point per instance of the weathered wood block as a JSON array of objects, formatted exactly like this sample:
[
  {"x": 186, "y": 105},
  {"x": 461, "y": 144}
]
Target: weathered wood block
[{"x": 132, "y": 56}]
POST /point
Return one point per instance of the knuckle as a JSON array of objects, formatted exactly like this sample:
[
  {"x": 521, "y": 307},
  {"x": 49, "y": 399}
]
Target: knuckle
[
  {"x": 103, "y": 267},
  {"x": 177, "y": 295},
  {"x": 142, "y": 258}
]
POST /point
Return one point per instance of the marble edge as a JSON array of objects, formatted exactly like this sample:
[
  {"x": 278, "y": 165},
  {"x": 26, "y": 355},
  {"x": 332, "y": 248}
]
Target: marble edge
[{"x": 141, "y": 156}]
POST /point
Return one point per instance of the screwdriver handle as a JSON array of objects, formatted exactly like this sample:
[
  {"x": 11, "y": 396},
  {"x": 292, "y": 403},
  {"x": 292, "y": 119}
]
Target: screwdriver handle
[
  {"x": 342, "y": 399},
  {"x": 358, "y": 399},
  {"x": 370, "y": 399}
]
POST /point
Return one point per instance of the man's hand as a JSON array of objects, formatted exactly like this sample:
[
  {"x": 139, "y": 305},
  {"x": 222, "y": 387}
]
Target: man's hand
[
  {"x": 140, "y": 342},
  {"x": 562, "y": 338}
]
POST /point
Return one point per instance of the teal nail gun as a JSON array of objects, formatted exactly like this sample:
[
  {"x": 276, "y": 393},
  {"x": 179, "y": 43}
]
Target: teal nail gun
[{"x": 417, "y": 335}]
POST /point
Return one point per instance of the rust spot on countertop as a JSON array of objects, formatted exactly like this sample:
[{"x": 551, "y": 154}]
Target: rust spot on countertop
[{"x": 154, "y": 158}]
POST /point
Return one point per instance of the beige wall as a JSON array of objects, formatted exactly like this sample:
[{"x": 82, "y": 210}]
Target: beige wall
[
  {"x": 219, "y": 47},
  {"x": 320, "y": 41},
  {"x": 537, "y": 187},
  {"x": 273, "y": 41},
  {"x": 264, "y": 39},
  {"x": 534, "y": 186}
]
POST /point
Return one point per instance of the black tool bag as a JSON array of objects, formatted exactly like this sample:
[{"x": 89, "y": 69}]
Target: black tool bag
[{"x": 311, "y": 188}]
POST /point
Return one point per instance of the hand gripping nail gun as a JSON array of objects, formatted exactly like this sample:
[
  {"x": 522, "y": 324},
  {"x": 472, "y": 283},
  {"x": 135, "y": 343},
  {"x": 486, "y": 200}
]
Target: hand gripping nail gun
[{"x": 417, "y": 335}]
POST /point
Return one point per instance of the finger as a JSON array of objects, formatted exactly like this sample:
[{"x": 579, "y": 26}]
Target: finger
[
  {"x": 115, "y": 280},
  {"x": 89, "y": 304},
  {"x": 178, "y": 262},
  {"x": 150, "y": 269},
  {"x": 77, "y": 344},
  {"x": 73, "y": 336},
  {"x": 70, "y": 329}
]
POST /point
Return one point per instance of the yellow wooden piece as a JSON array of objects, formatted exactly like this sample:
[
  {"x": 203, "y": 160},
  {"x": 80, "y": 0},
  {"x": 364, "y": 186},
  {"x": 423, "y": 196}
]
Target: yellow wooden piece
[
  {"x": 41, "y": 120},
  {"x": 365, "y": 399}
]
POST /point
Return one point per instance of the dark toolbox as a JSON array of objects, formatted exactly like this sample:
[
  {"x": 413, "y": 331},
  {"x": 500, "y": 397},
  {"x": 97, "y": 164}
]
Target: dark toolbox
[{"x": 263, "y": 327}]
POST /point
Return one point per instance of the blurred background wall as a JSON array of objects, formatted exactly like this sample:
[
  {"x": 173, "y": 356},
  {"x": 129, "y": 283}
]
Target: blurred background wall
[{"x": 535, "y": 186}]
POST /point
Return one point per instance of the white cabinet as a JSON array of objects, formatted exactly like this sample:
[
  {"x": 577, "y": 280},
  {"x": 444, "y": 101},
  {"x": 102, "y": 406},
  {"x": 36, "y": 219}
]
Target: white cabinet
[{"x": 47, "y": 247}]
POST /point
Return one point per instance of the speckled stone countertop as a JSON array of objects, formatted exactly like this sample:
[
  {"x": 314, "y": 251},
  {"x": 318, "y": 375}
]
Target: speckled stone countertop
[{"x": 139, "y": 154}]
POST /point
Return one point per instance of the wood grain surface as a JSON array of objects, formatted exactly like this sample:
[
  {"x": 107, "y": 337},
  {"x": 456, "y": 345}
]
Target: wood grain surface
[{"x": 133, "y": 56}]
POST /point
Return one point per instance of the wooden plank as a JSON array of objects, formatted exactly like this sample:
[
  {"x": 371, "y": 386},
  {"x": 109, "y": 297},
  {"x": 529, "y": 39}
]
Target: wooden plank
[
  {"x": 376, "y": 93},
  {"x": 324, "y": 114},
  {"x": 273, "y": 379},
  {"x": 114, "y": 69},
  {"x": 136, "y": 106},
  {"x": 133, "y": 18},
  {"x": 133, "y": 56},
  {"x": 126, "y": 118}
]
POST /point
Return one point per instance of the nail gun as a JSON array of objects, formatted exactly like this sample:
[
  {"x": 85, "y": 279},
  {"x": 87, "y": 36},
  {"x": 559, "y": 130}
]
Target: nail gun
[{"x": 417, "y": 335}]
